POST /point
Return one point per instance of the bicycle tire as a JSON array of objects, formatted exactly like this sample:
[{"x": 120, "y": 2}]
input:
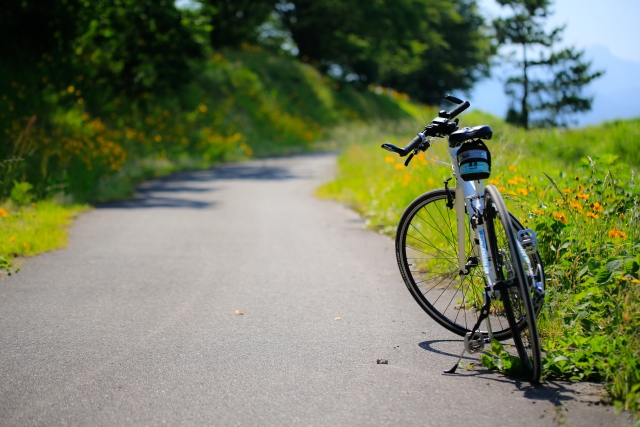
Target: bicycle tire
[
  {"x": 458, "y": 318},
  {"x": 517, "y": 301}
]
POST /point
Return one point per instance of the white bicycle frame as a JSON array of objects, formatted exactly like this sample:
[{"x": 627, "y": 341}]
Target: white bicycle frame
[{"x": 470, "y": 195}]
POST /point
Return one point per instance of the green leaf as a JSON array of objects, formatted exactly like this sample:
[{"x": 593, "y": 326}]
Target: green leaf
[
  {"x": 603, "y": 275},
  {"x": 594, "y": 265},
  {"x": 614, "y": 265},
  {"x": 631, "y": 266}
]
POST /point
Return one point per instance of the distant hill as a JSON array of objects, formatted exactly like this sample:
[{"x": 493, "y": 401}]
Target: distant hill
[{"x": 617, "y": 93}]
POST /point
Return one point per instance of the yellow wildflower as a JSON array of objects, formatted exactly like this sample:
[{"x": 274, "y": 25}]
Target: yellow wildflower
[
  {"x": 389, "y": 159},
  {"x": 560, "y": 217},
  {"x": 523, "y": 191},
  {"x": 494, "y": 182},
  {"x": 512, "y": 182},
  {"x": 531, "y": 188},
  {"x": 430, "y": 181},
  {"x": 399, "y": 166},
  {"x": 26, "y": 245},
  {"x": 538, "y": 211},
  {"x": 11, "y": 239},
  {"x": 576, "y": 206},
  {"x": 3, "y": 212},
  {"x": 583, "y": 196},
  {"x": 597, "y": 207},
  {"x": 511, "y": 193},
  {"x": 518, "y": 179},
  {"x": 502, "y": 189},
  {"x": 592, "y": 215},
  {"x": 406, "y": 179},
  {"x": 513, "y": 168},
  {"x": 566, "y": 191}
]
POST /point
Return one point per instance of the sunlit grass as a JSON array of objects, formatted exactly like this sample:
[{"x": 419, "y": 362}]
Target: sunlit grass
[{"x": 34, "y": 229}]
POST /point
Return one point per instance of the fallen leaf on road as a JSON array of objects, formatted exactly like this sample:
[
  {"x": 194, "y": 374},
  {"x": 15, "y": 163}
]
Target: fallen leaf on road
[
  {"x": 337, "y": 318},
  {"x": 238, "y": 312}
]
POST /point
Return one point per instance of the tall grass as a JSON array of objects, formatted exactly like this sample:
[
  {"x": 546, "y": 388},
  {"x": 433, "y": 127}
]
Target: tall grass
[{"x": 585, "y": 211}]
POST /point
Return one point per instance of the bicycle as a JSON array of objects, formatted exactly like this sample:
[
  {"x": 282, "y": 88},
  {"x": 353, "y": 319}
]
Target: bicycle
[{"x": 466, "y": 260}]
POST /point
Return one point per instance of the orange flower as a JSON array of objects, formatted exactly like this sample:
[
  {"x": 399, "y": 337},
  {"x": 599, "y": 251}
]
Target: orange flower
[
  {"x": 597, "y": 207},
  {"x": 538, "y": 211},
  {"x": 512, "y": 182},
  {"x": 389, "y": 159},
  {"x": 518, "y": 179},
  {"x": 576, "y": 206},
  {"x": 494, "y": 182},
  {"x": 430, "y": 181},
  {"x": 523, "y": 191},
  {"x": 560, "y": 217},
  {"x": 592, "y": 215},
  {"x": 11, "y": 239},
  {"x": 511, "y": 193},
  {"x": 26, "y": 245},
  {"x": 399, "y": 166},
  {"x": 567, "y": 191},
  {"x": 513, "y": 168},
  {"x": 406, "y": 179},
  {"x": 531, "y": 188},
  {"x": 3, "y": 212},
  {"x": 617, "y": 234},
  {"x": 502, "y": 189},
  {"x": 583, "y": 196}
]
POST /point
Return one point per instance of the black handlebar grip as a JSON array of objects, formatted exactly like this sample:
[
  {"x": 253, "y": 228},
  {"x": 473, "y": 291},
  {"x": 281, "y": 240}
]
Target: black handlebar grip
[
  {"x": 459, "y": 109},
  {"x": 415, "y": 142}
]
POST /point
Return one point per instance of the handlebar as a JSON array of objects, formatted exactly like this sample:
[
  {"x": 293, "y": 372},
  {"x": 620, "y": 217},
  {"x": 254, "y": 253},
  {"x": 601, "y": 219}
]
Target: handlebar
[{"x": 441, "y": 126}]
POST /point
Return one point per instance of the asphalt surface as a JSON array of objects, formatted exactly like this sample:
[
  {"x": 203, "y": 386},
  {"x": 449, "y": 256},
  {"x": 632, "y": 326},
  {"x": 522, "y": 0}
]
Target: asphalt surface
[{"x": 134, "y": 324}]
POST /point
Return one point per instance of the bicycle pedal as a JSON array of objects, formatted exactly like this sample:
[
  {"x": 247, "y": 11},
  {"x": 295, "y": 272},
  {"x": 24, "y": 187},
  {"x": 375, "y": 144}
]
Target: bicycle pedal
[{"x": 528, "y": 240}]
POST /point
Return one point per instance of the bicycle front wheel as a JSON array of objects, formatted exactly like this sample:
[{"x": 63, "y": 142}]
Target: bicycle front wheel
[
  {"x": 427, "y": 255},
  {"x": 510, "y": 266}
]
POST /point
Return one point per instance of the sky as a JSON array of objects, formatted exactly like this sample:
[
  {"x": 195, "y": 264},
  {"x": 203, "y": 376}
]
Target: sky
[
  {"x": 614, "y": 24},
  {"x": 609, "y": 33}
]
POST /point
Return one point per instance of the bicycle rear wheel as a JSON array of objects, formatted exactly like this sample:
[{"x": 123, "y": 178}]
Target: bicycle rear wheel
[
  {"x": 509, "y": 265},
  {"x": 427, "y": 255}
]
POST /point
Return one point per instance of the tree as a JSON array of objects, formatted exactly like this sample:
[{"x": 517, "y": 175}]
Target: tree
[
  {"x": 548, "y": 90},
  {"x": 236, "y": 21},
  {"x": 423, "y": 47}
]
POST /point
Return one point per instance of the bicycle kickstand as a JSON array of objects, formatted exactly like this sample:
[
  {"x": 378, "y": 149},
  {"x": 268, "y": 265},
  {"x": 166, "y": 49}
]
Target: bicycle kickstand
[{"x": 471, "y": 344}]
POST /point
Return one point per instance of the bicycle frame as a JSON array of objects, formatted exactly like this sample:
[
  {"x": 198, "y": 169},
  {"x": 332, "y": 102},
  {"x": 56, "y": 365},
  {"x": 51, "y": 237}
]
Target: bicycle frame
[{"x": 469, "y": 201}]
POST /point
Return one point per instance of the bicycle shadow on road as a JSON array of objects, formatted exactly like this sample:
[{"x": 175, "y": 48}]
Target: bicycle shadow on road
[{"x": 556, "y": 392}]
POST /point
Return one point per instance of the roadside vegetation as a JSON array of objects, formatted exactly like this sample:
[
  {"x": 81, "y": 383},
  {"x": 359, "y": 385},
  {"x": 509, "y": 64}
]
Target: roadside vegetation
[
  {"x": 245, "y": 103},
  {"x": 577, "y": 189}
]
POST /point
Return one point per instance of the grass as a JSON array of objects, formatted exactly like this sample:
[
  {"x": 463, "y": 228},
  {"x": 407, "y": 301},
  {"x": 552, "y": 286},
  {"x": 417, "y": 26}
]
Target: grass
[
  {"x": 583, "y": 209},
  {"x": 34, "y": 229}
]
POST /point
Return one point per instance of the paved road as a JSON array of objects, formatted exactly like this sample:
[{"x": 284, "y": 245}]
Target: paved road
[{"x": 134, "y": 323}]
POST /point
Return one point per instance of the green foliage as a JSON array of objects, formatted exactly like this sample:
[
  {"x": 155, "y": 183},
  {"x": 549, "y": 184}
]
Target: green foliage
[
  {"x": 585, "y": 211},
  {"x": 548, "y": 91},
  {"x": 236, "y": 21},
  {"x": 33, "y": 229},
  {"x": 21, "y": 193},
  {"x": 422, "y": 47},
  {"x": 498, "y": 358},
  {"x": 7, "y": 265}
]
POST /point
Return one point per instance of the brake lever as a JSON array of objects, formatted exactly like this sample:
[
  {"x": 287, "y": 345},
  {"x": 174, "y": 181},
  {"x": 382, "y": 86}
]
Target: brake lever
[{"x": 406, "y": 163}]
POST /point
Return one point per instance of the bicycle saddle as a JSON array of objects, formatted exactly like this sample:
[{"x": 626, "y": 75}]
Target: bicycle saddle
[{"x": 461, "y": 135}]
